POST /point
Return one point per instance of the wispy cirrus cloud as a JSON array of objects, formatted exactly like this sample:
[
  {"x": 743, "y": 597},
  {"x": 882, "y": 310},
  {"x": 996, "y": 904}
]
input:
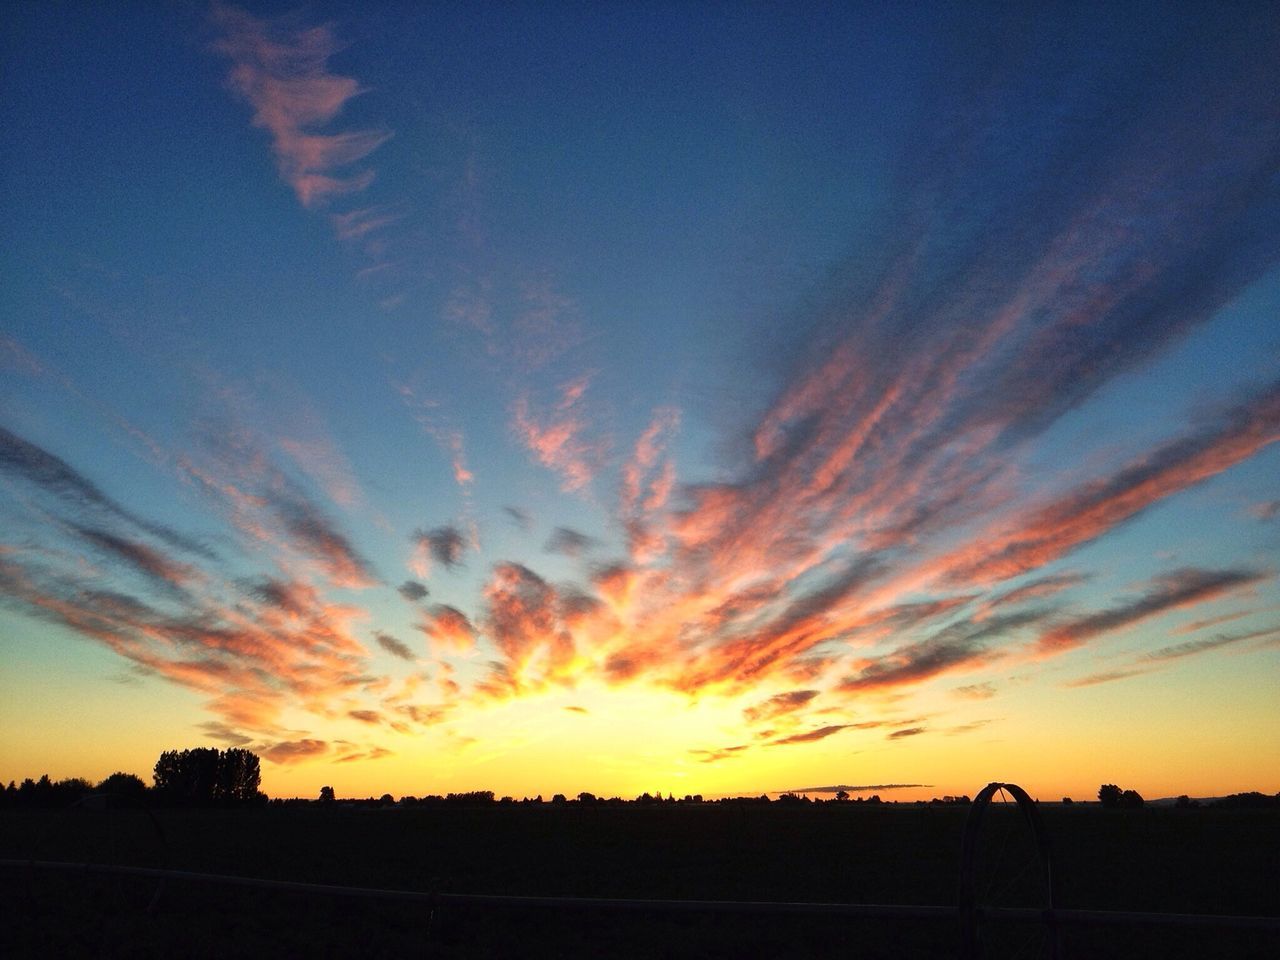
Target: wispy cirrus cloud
[
  {"x": 778, "y": 705},
  {"x": 283, "y": 72},
  {"x": 821, "y": 733},
  {"x": 558, "y": 438},
  {"x": 294, "y": 751},
  {"x": 52, "y": 475},
  {"x": 1177, "y": 590}
]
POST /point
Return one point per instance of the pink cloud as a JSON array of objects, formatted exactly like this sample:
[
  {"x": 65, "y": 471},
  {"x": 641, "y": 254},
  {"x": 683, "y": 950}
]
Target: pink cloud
[
  {"x": 556, "y": 438},
  {"x": 283, "y": 73}
]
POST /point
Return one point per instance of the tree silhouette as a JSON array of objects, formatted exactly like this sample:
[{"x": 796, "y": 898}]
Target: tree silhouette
[
  {"x": 207, "y": 775},
  {"x": 1109, "y": 795},
  {"x": 326, "y": 794},
  {"x": 124, "y": 785},
  {"x": 1131, "y": 799}
]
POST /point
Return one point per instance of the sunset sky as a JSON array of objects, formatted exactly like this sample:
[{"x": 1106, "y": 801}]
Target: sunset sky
[{"x": 633, "y": 397}]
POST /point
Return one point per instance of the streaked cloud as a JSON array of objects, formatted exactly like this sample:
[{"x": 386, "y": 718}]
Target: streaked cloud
[
  {"x": 821, "y": 733},
  {"x": 1177, "y": 590},
  {"x": 293, "y": 751},
  {"x": 282, "y": 71},
  {"x": 557, "y": 438}
]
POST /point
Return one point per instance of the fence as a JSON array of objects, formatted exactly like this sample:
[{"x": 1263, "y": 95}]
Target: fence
[{"x": 973, "y": 911}]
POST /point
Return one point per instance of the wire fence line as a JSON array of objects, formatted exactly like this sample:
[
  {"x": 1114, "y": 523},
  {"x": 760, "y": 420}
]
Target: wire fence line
[{"x": 1056, "y": 915}]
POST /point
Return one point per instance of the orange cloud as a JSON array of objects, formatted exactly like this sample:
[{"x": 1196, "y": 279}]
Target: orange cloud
[
  {"x": 557, "y": 439},
  {"x": 449, "y": 628}
]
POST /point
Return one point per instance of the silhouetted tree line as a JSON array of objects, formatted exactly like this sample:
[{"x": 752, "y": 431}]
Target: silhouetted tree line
[
  {"x": 200, "y": 776},
  {"x": 206, "y": 775},
  {"x": 1109, "y": 795},
  {"x": 1249, "y": 801}
]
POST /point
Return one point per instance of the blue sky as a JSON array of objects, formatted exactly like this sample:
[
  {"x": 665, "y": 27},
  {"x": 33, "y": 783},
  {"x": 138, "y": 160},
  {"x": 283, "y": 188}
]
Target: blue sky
[{"x": 800, "y": 377}]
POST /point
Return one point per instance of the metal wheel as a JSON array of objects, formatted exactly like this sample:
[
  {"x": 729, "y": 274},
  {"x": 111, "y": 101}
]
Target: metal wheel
[
  {"x": 1005, "y": 863},
  {"x": 99, "y": 829}
]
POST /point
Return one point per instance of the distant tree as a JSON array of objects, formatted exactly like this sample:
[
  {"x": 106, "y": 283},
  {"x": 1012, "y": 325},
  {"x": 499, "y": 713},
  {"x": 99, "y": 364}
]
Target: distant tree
[
  {"x": 1185, "y": 802},
  {"x": 842, "y": 795},
  {"x": 1250, "y": 800},
  {"x": 471, "y": 796},
  {"x": 326, "y": 794},
  {"x": 206, "y": 775},
  {"x": 585, "y": 797},
  {"x": 386, "y": 799},
  {"x": 239, "y": 774},
  {"x": 1131, "y": 799},
  {"x": 123, "y": 785},
  {"x": 559, "y": 798},
  {"x": 1067, "y": 801},
  {"x": 1109, "y": 795}
]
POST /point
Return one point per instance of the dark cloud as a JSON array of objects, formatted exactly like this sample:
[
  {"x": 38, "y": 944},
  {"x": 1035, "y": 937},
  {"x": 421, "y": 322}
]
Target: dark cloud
[
  {"x": 906, "y": 732},
  {"x": 858, "y": 787},
  {"x": 373, "y": 753},
  {"x": 1181, "y": 588},
  {"x": 315, "y": 535},
  {"x": 1035, "y": 589},
  {"x": 293, "y": 751},
  {"x": 724, "y": 753},
  {"x": 957, "y": 646},
  {"x": 569, "y": 542},
  {"x": 445, "y": 545},
  {"x": 1192, "y": 647},
  {"x": 396, "y": 648},
  {"x": 141, "y": 557},
  {"x": 966, "y": 727},
  {"x": 778, "y": 705},
  {"x": 1107, "y": 676},
  {"x": 365, "y": 716},
  {"x": 820, "y": 734},
  {"x": 412, "y": 590},
  {"x": 55, "y": 476},
  {"x": 279, "y": 594},
  {"x": 423, "y": 714},
  {"x": 977, "y": 691},
  {"x": 519, "y": 517},
  {"x": 216, "y": 730}
]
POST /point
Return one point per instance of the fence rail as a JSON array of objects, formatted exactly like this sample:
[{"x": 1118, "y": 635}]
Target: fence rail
[{"x": 1057, "y": 915}]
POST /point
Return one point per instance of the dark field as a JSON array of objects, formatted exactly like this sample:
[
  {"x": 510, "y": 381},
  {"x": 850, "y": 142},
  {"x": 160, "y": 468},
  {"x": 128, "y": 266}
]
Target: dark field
[{"x": 1167, "y": 860}]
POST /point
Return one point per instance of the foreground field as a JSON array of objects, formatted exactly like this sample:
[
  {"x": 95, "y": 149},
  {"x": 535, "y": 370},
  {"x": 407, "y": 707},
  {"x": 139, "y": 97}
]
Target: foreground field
[{"x": 1194, "y": 861}]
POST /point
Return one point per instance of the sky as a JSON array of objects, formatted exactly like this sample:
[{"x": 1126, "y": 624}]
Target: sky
[{"x": 691, "y": 398}]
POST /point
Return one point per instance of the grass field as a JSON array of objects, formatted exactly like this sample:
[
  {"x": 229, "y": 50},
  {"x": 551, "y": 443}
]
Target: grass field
[{"x": 1169, "y": 860}]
